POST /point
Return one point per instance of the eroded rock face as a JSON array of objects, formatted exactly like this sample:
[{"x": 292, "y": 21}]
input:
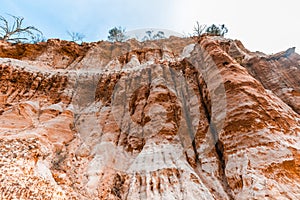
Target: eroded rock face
[{"x": 181, "y": 118}]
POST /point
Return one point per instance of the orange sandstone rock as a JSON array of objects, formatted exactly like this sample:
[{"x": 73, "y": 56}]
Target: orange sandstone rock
[{"x": 178, "y": 118}]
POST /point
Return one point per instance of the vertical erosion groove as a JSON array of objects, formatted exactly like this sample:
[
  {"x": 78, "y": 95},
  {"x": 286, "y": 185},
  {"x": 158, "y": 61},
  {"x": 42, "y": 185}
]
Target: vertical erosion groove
[{"x": 218, "y": 144}]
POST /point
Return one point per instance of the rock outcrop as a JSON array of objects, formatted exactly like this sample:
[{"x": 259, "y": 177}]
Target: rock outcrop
[{"x": 178, "y": 118}]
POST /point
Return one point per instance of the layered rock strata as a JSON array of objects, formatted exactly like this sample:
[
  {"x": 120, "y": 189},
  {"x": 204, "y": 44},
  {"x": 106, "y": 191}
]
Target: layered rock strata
[{"x": 179, "y": 118}]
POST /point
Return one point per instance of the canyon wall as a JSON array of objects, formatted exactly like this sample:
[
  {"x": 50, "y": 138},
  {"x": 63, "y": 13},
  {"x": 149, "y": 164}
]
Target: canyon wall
[{"x": 177, "y": 118}]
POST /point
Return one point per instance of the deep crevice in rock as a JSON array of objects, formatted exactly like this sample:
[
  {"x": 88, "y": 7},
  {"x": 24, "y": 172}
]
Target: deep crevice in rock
[{"x": 218, "y": 144}]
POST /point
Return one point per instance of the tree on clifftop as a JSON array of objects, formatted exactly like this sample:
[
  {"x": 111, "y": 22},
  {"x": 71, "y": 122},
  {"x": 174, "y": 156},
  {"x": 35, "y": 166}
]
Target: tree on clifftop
[
  {"x": 150, "y": 36},
  {"x": 117, "y": 34},
  {"x": 220, "y": 30},
  {"x": 16, "y": 32},
  {"x": 213, "y": 29}
]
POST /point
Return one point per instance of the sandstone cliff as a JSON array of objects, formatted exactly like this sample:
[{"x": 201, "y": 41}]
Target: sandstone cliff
[{"x": 179, "y": 118}]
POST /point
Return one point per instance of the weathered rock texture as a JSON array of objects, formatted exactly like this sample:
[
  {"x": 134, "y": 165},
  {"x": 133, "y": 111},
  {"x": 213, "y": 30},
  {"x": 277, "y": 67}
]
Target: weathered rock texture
[{"x": 180, "y": 118}]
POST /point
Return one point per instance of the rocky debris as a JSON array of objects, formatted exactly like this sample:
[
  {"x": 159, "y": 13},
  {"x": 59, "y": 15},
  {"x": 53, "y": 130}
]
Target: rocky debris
[
  {"x": 178, "y": 118},
  {"x": 24, "y": 175}
]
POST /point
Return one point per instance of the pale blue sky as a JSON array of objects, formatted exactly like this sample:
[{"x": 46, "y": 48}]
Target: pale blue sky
[{"x": 268, "y": 26}]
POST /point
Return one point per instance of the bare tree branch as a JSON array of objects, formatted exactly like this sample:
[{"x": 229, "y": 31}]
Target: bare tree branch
[
  {"x": 16, "y": 32},
  {"x": 199, "y": 29}
]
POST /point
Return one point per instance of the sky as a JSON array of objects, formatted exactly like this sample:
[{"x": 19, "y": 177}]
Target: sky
[{"x": 262, "y": 25}]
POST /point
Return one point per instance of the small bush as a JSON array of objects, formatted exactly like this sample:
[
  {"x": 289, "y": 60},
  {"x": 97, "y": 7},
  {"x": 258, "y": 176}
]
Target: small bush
[
  {"x": 76, "y": 37},
  {"x": 37, "y": 38}
]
